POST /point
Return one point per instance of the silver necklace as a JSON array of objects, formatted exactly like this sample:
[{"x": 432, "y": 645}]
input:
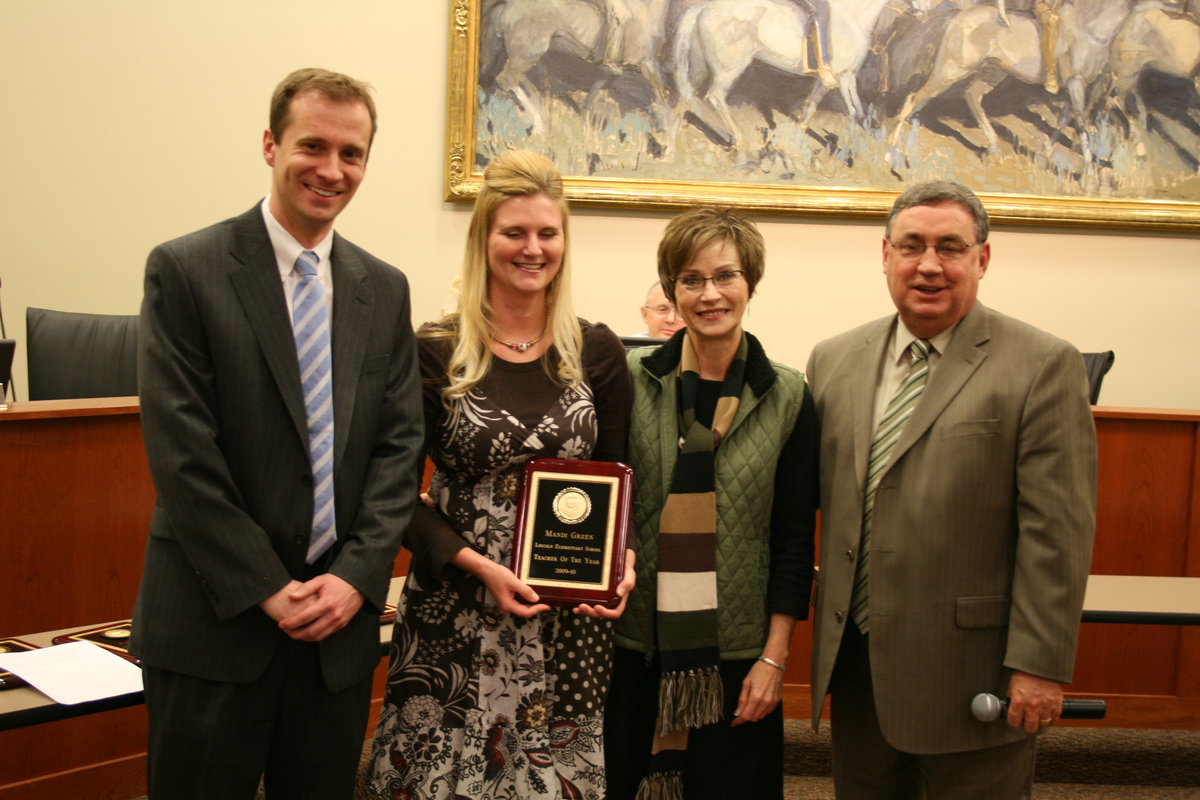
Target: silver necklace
[{"x": 520, "y": 347}]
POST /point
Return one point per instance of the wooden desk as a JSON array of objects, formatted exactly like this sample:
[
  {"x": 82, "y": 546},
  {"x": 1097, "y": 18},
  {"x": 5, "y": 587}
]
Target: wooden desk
[
  {"x": 1142, "y": 600},
  {"x": 1110, "y": 598},
  {"x": 1147, "y": 524},
  {"x": 77, "y": 499},
  {"x": 24, "y": 706}
]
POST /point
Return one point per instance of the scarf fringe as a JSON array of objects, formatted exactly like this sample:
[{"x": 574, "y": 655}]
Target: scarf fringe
[
  {"x": 661, "y": 786},
  {"x": 689, "y": 699}
]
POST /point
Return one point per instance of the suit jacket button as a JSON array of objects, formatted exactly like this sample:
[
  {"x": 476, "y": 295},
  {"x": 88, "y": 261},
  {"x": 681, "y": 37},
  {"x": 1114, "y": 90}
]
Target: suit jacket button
[
  {"x": 300, "y": 538},
  {"x": 850, "y": 554},
  {"x": 839, "y": 616}
]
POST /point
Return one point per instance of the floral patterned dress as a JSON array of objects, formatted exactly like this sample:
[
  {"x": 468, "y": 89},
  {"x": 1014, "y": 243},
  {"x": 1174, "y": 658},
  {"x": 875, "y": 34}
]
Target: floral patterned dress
[{"x": 481, "y": 704}]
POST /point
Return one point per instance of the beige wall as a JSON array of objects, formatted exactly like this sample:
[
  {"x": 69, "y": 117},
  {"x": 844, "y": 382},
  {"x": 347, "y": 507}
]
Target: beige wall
[{"x": 128, "y": 122}]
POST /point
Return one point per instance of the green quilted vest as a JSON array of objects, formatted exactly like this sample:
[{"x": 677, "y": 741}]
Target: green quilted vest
[{"x": 745, "y": 465}]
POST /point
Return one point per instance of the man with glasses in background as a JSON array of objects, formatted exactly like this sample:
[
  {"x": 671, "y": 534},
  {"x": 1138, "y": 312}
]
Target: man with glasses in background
[
  {"x": 659, "y": 314},
  {"x": 958, "y": 481}
]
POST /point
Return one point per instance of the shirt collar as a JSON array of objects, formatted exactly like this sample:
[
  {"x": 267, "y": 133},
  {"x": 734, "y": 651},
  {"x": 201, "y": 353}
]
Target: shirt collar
[
  {"x": 902, "y": 339},
  {"x": 287, "y": 249}
]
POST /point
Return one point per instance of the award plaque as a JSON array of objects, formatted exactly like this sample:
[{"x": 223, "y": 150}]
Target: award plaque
[
  {"x": 572, "y": 526},
  {"x": 7, "y": 679},
  {"x": 113, "y": 637}
]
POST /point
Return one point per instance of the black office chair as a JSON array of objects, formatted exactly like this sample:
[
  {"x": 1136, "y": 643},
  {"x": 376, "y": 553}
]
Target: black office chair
[
  {"x": 1097, "y": 366},
  {"x": 7, "y": 348},
  {"x": 74, "y": 355},
  {"x": 639, "y": 340}
]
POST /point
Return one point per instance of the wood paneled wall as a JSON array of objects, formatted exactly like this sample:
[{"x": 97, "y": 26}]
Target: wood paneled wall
[{"x": 75, "y": 503}]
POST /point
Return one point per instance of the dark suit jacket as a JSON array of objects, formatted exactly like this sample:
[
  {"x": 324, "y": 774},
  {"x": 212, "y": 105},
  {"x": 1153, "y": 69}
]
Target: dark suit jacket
[
  {"x": 982, "y": 530},
  {"x": 225, "y": 431}
]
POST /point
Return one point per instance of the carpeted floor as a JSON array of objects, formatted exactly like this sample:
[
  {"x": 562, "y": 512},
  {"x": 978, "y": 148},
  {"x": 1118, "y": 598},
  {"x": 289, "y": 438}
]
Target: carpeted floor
[
  {"x": 797, "y": 788},
  {"x": 1072, "y": 764}
]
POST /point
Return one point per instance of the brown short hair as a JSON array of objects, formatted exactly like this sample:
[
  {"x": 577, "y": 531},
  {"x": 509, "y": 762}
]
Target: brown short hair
[
  {"x": 334, "y": 85},
  {"x": 695, "y": 229}
]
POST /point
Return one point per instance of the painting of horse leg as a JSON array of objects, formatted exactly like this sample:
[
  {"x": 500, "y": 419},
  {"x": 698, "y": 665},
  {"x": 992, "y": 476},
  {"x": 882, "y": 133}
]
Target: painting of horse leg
[{"x": 722, "y": 98}]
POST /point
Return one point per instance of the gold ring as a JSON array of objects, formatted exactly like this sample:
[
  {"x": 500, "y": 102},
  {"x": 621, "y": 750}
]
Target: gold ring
[{"x": 1046, "y": 721}]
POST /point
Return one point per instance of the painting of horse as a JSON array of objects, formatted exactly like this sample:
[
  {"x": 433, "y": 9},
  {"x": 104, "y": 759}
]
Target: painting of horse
[{"x": 1076, "y": 111}]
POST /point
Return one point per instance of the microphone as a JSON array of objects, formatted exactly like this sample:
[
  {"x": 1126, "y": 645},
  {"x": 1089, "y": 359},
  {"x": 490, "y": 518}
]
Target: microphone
[{"x": 987, "y": 708}]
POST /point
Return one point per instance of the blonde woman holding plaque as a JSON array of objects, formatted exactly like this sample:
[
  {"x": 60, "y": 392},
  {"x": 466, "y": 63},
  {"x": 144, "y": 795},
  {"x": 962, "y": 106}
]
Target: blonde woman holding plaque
[{"x": 491, "y": 693}]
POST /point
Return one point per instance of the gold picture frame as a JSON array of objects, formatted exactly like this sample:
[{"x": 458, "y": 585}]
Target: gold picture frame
[{"x": 666, "y": 188}]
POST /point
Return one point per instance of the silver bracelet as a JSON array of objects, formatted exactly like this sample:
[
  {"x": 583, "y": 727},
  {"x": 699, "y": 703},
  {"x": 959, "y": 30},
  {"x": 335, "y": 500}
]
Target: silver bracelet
[{"x": 773, "y": 663}]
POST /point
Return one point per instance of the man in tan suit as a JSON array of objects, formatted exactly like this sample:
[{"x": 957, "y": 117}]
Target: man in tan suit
[{"x": 958, "y": 469}]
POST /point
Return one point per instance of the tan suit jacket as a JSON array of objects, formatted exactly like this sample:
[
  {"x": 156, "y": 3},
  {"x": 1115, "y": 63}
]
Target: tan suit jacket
[{"x": 982, "y": 530}]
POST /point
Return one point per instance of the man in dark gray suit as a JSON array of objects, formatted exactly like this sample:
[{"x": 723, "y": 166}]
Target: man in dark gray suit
[
  {"x": 281, "y": 414},
  {"x": 958, "y": 495}
]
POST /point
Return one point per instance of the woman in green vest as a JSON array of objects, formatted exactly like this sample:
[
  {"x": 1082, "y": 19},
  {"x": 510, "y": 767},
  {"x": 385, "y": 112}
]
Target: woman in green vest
[{"x": 723, "y": 443}]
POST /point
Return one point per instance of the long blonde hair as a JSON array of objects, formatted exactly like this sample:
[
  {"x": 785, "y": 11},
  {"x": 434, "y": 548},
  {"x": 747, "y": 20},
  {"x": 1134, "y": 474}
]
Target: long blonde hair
[{"x": 516, "y": 173}]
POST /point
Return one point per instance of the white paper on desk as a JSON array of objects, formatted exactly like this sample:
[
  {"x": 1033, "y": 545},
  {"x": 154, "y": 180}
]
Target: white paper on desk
[{"x": 75, "y": 672}]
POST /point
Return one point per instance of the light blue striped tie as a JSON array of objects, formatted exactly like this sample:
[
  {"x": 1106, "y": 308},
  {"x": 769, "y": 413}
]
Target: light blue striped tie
[
  {"x": 310, "y": 325},
  {"x": 895, "y": 416}
]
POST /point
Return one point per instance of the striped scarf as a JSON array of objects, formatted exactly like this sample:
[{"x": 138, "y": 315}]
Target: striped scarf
[{"x": 689, "y": 690}]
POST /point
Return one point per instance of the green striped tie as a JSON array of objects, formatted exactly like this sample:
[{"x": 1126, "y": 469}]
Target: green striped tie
[{"x": 895, "y": 416}]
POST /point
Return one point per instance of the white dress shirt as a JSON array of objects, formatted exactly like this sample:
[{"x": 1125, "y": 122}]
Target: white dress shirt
[
  {"x": 896, "y": 360},
  {"x": 287, "y": 250}
]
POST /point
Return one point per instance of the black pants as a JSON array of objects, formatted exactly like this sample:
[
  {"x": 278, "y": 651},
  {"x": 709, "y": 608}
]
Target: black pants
[
  {"x": 214, "y": 741},
  {"x": 722, "y": 762}
]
